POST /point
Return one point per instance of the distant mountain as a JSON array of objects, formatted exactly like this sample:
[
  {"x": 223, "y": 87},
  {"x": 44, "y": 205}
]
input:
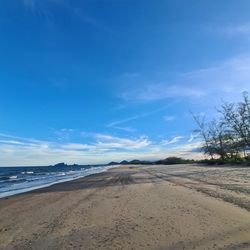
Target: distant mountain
[
  {"x": 124, "y": 162},
  {"x": 134, "y": 162},
  {"x": 173, "y": 160},
  {"x": 167, "y": 161},
  {"x": 61, "y": 164},
  {"x": 113, "y": 163}
]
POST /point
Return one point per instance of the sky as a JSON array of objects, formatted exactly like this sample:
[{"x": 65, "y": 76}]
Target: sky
[{"x": 93, "y": 81}]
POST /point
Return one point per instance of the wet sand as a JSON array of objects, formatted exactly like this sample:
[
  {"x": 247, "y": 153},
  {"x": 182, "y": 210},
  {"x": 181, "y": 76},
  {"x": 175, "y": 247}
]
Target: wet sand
[{"x": 134, "y": 207}]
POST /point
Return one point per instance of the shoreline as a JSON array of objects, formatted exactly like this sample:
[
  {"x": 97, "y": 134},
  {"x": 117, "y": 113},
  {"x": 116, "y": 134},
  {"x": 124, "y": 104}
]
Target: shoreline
[
  {"x": 30, "y": 189},
  {"x": 126, "y": 207}
]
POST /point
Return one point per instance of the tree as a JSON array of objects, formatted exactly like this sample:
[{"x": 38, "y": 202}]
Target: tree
[
  {"x": 229, "y": 136},
  {"x": 204, "y": 133},
  {"x": 237, "y": 119}
]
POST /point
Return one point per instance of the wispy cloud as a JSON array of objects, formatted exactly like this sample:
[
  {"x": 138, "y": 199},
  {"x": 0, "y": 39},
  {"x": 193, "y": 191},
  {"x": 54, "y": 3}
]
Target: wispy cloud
[
  {"x": 172, "y": 140},
  {"x": 142, "y": 115},
  {"x": 192, "y": 137},
  {"x": 223, "y": 79},
  {"x": 187, "y": 151},
  {"x": 77, "y": 146},
  {"x": 112, "y": 142},
  {"x": 17, "y": 139},
  {"x": 63, "y": 134},
  {"x": 126, "y": 129},
  {"x": 153, "y": 92},
  {"x": 128, "y": 119},
  {"x": 227, "y": 79},
  {"x": 28, "y": 151}
]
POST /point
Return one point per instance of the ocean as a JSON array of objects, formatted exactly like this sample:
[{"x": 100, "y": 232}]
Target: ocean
[{"x": 15, "y": 180}]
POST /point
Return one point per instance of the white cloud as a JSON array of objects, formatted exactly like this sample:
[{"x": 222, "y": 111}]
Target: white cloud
[
  {"x": 231, "y": 76},
  {"x": 126, "y": 129},
  {"x": 128, "y": 119},
  {"x": 142, "y": 115},
  {"x": 28, "y": 151},
  {"x": 112, "y": 142},
  {"x": 63, "y": 134},
  {"x": 172, "y": 140},
  {"x": 77, "y": 146},
  {"x": 193, "y": 137},
  {"x": 226, "y": 79},
  {"x": 187, "y": 151}
]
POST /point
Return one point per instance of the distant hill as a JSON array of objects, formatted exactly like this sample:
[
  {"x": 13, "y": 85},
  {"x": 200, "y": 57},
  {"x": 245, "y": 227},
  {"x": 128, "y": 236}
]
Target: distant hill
[
  {"x": 113, "y": 163},
  {"x": 139, "y": 162},
  {"x": 61, "y": 164},
  {"x": 167, "y": 161},
  {"x": 173, "y": 160},
  {"x": 124, "y": 162}
]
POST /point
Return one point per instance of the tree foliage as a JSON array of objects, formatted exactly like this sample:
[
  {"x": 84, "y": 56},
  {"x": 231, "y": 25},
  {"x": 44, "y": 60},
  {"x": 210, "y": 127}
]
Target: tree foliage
[{"x": 227, "y": 137}]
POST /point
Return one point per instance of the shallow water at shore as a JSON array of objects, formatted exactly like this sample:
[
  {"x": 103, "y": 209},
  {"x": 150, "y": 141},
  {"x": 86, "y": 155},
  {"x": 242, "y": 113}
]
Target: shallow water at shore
[{"x": 15, "y": 180}]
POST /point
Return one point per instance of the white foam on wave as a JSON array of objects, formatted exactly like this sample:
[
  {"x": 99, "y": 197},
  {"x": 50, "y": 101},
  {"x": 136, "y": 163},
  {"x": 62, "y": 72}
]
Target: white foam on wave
[
  {"x": 27, "y": 172},
  {"x": 81, "y": 174},
  {"x": 13, "y": 177}
]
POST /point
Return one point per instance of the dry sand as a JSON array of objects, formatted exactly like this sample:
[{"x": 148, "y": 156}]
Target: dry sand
[{"x": 134, "y": 207}]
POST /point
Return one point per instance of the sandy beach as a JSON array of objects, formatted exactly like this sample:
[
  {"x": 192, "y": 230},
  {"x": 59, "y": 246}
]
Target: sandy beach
[{"x": 134, "y": 207}]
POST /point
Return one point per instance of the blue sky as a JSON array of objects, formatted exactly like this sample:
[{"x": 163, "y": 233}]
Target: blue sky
[{"x": 92, "y": 81}]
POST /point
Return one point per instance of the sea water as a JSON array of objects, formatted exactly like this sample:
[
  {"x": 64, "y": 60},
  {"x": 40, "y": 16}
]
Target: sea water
[{"x": 15, "y": 180}]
